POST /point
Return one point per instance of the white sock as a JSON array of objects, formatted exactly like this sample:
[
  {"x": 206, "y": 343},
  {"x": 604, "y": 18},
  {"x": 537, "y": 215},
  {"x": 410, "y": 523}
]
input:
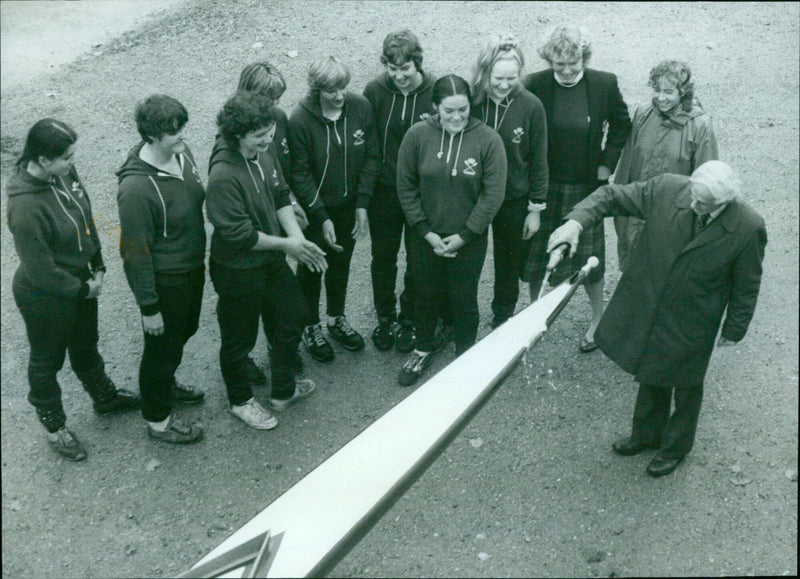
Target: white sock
[
  {"x": 160, "y": 426},
  {"x": 332, "y": 320}
]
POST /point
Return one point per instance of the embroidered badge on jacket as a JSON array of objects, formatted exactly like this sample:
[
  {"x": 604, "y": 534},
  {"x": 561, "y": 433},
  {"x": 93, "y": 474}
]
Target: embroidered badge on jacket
[
  {"x": 275, "y": 180},
  {"x": 469, "y": 166},
  {"x": 358, "y": 137},
  {"x": 518, "y": 132},
  {"x": 77, "y": 189},
  {"x": 285, "y": 146}
]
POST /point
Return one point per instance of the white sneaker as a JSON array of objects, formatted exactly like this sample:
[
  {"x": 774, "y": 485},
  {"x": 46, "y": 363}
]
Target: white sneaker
[
  {"x": 255, "y": 415},
  {"x": 303, "y": 389}
]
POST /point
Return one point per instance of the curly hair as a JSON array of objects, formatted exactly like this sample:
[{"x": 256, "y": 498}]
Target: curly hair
[
  {"x": 159, "y": 115},
  {"x": 568, "y": 42},
  {"x": 48, "y": 138},
  {"x": 497, "y": 47},
  {"x": 262, "y": 77},
  {"x": 327, "y": 74},
  {"x": 680, "y": 74},
  {"x": 244, "y": 113},
  {"x": 401, "y": 47}
]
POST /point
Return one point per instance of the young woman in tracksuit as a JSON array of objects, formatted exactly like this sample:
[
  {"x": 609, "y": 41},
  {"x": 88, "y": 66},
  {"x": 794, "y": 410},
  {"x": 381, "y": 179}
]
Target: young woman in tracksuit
[
  {"x": 400, "y": 97},
  {"x": 503, "y": 104},
  {"x": 58, "y": 280},
  {"x": 334, "y": 154},
  {"x": 163, "y": 247},
  {"x": 451, "y": 178},
  {"x": 248, "y": 204}
]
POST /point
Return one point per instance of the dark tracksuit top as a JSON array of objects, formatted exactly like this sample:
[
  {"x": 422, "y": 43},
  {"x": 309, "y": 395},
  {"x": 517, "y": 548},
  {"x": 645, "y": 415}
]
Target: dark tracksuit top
[
  {"x": 54, "y": 233},
  {"x": 451, "y": 183},
  {"x": 333, "y": 161},
  {"x": 161, "y": 218},
  {"x": 520, "y": 121},
  {"x": 395, "y": 112}
]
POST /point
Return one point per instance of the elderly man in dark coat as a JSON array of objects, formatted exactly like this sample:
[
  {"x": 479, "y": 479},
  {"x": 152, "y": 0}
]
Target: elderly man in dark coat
[{"x": 699, "y": 253}]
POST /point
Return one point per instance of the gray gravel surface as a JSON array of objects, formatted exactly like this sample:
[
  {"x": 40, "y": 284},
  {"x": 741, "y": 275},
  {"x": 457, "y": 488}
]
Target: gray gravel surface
[{"x": 531, "y": 487}]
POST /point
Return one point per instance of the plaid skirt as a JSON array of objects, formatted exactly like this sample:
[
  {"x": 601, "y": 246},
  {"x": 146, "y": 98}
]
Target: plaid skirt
[{"x": 561, "y": 198}]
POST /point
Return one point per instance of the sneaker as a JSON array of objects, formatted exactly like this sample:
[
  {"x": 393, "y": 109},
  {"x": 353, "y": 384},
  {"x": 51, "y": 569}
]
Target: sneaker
[
  {"x": 383, "y": 334},
  {"x": 345, "y": 335},
  {"x": 414, "y": 367},
  {"x": 442, "y": 336},
  {"x": 65, "y": 443},
  {"x": 124, "y": 400},
  {"x": 302, "y": 389},
  {"x": 184, "y": 394},
  {"x": 177, "y": 432},
  {"x": 317, "y": 345},
  {"x": 255, "y": 377},
  {"x": 406, "y": 337},
  {"x": 255, "y": 415}
]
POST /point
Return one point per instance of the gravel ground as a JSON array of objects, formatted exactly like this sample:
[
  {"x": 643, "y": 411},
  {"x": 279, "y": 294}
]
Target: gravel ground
[{"x": 530, "y": 488}]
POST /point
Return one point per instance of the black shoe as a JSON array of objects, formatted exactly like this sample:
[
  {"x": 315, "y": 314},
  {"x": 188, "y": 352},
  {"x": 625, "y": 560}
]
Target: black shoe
[
  {"x": 661, "y": 466},
  {"x": 406, "y": 337},
  {"x": 414, "y": 367},
  {"x": 626, "y": 447},
  {"x": 66, "y": 444},
  {"x": 184, "y": 394},
  {"x": 255, "y": 377},
  {"x": 317, "y": 345},
  {"x": 383, "y": 334},
  {"x": 443, "y": 336},
  {"x": 345, "y": 335},
  {"x": 124, "y": 400},
  {"x": 177, "y": 432}
]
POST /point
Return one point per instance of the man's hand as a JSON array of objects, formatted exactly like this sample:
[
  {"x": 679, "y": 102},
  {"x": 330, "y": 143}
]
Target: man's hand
[
  {"x": 153, "y": 325},
  {"x": 569, "y": 233},
  {"x": 362, "y": 224},
  {"x": 532, "y": 224},
  {"x": 307, "y": 253},
  {"x": 329, "y": 234}
]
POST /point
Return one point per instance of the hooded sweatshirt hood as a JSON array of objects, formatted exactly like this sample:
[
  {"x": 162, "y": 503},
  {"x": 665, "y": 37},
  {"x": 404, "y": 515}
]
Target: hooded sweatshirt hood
[{"x": 161, "y": 221}]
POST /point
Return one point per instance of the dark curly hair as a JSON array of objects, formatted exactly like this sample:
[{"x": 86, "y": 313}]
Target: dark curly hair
[
  {"x": 244, "y": 113},
  {"x": 159, "y": 115},
  {"x": 680, "y": 74}
]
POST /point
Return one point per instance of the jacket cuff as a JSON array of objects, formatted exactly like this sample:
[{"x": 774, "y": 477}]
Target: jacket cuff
[
  {"x": 251, "y": 243},
  {"x": 362, "y": 201},
  {"x": 423, "y": 228},
  {"x": 466, "y": 234},
  {"x": 150, "y": 309},
  {"x": 320, "y": 215},
  {"x": 84, "y": 290}
]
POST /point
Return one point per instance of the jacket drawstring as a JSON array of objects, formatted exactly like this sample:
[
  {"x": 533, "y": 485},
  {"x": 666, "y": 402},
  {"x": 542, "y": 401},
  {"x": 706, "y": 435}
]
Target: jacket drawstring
[
  {"x": 327, "y": 159},
  {"x": 441, "y": 146},
  {"x": 439, "y": 155},
  {"x": 496, "y": 112},
  {"x": 386, "y": 128},
  {"x": 345, "y": 156},
  {"x": 413, "y": 107},
  {"x": 403, "y": 114},
  {"x": 75, "y": 223},
  {"x": 163, "y": 205},
  {"x": 78, "y": 205}
]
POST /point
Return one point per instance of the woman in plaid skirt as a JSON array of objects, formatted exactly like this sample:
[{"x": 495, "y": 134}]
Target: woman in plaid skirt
[{"x": 584, "y": 107}]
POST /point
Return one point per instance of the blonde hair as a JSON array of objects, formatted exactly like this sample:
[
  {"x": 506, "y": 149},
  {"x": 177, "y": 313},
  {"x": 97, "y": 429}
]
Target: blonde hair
[
  {"x": 327, "y": 74},
  {"x": 569, "y": 42},
  {"x": 497, "y": 47},
  {"x": 720, "y": 179},
  {"x": 262, "y": 77}
]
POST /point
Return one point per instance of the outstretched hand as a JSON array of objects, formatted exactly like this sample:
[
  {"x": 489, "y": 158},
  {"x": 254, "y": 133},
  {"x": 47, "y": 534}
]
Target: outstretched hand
[
  {"x": 307, "y": 253},
  {"x": 569, "y": 233}
]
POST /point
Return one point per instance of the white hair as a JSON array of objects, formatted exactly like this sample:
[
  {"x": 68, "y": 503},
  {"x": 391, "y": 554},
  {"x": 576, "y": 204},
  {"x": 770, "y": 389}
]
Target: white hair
[{"x": 720, "y": 179}]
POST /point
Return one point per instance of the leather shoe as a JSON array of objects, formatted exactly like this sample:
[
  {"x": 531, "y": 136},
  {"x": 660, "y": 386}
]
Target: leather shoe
[
  {"x": 661, "y": 466},
  {"x": 626, "y": 446},
  {"x": 124, "y": 400},
  {"x": 587, "y": 346}
]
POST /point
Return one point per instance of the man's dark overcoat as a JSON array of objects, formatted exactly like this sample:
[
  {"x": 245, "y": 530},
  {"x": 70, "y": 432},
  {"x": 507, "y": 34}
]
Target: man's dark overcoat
[{"x": 662, "y": 321}]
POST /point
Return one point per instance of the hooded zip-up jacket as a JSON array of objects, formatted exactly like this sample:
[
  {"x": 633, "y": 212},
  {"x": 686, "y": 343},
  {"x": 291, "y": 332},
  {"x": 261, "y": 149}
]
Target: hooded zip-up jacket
[
  {"x": 451, "y": 183},
  {"x": 520, "y": 121},
  {"x": 658, "y": 144},
  {"x": 333, "y": 161},
  {"x": 395, "y": 112},
  {"x": 161, "y": 221},
  {"x": 280, "y": 143},
  {"x": 54, "y": 233},
  {"x": 242, "y": 198}
]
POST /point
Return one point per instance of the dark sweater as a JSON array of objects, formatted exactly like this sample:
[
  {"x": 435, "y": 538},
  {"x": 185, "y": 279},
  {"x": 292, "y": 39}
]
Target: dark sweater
[
  {"x": 433, "y": 199},
  {"x": 333, "y": 161},
  {"x": 54, "y": 233},
  {"x": 395, "y": 112},
  {"x": 520, "y": 121},
  {"x": 161, "y": 221},
  {"x": 243, "y": 197}
]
